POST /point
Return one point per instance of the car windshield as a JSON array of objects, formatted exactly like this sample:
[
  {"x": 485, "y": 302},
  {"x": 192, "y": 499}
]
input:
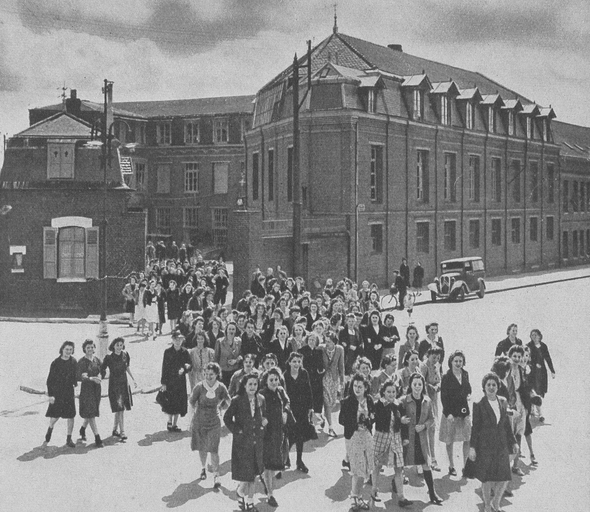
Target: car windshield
[{"x": 452, "y": 266}]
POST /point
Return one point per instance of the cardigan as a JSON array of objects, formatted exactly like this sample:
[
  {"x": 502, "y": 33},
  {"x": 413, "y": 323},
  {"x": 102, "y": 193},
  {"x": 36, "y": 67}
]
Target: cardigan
[
  {"x": 454, "y": 395},
  {"x": 348, "y": 414}
]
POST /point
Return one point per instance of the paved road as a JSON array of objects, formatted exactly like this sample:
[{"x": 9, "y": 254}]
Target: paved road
[{"x": 156, "y": 470}]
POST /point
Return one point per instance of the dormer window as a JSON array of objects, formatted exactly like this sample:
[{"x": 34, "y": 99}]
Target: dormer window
[
  {"x": 60, "y": 160},
  {"x": 546, "y": 130},
  {"x": 491, "y": 119},
  {"x": 221, "y": 131},
  {"x": 371, "y": 102},
  {"x": 418, "y": 105},
  {"x": 469, "y": 115},
  {"x": 530, "y": 128},
  {"x": 511, "y": 126},
  {"x": 445, "y": 110},
  {"x": 164, "y": 133}
]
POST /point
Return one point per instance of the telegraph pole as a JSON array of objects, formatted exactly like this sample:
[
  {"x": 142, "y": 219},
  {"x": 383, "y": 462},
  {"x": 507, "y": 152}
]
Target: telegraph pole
[{"x": 297, "y": 253}]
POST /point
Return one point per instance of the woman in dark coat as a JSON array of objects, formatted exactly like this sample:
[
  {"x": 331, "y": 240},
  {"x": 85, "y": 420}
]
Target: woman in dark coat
[
  {"x": 61, "y": 382},
  {"x": 298, "y": 390},
  {"x": 350, "y": 338},
  {"x": 455, "y": 423},
  {"x": 246, "y": 420},
  {"x": 174, "y": 304},
  {"x": 373, "y": 339},
  {"x": 313, "y": 362},
  {"x": 276, "y": 444},
  {"x": 491, "y": 443},
  {"x": 120, "y": 398},
  {"x": 161, "y": 302},
  {"x": 175, "y": 365},
  {"x": 88, "y": 373},
  {"x": 539, "y": 356}
]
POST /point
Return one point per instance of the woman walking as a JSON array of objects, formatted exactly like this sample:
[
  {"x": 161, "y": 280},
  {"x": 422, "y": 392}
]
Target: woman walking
[
  {"x": 150, "y": 302},
  {"x": 491, "y": 443},
  {"x": 246, "y": 420},
  {"x": 128, "y": 293},
  {"x": 357, "y": 415},
  {"x": 313, "y": 362},
  {"x": 227, "y": 353},
  {"x": 175, "y": 365},
  {"x": 120, "y": 398},
  {"x": 276, "y": 444},
  {"x": 61, "y": 382},
  {"x": 88, "y": 373},
  {"x": 539, "y": 358},
  {"x": 411, "y": 343},
  {"x": 298, "y": 390},
  {"x": 200, "y": 356},
  {"x": 333, "y": 380},
  {"x": 208, "y": 398},
  {"x": 455, "y": 424},
  {"x": 419, "y": 411}
]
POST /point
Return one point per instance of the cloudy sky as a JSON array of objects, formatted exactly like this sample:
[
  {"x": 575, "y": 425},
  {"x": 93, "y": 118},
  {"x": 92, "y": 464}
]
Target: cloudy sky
[{"x": 169, "y": 49}]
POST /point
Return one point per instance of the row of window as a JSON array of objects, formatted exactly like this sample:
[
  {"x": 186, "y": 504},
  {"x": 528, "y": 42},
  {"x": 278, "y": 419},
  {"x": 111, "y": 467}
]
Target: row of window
[
  {"x": 578, "y": 199},
  {"x": 450, "y": 233},
  {"x": 192, "y": 131},
  {"x": 192, "y": 221},
  {"x": 578, "y": 247},
  {"x": 272, "y": 180},
  {"x": 192, "y": 178}
]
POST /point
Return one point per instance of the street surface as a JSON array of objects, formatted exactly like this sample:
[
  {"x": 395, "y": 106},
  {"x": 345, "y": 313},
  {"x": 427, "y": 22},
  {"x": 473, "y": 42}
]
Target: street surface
[{"x": 155, "y": 470}]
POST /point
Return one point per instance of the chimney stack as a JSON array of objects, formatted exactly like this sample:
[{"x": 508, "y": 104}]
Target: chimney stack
[
  {"x": 73, "y": 104},
  {"x": 395, "y": 47}
]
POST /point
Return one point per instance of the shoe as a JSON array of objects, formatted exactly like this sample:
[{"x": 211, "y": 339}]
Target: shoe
[
  {"x": 369, "y": 480},
  {"x": 508, "y": 493},
  {"x": 155, "y": 336},
  {"x": 393, "y": 486},
  {"x": 406, "y": 480},
  {"x": 302, "y": 467},
  {"x": 278, "y": 475},
  {"x": 98, "y": 441},
  {"x": 435, "y": 499},
  {"x": 116, "y": 433},
  {"x": 533, "y": 460},
  {"x": 70, "y": 443},
  {"x": 83, "y": 433},
  {"x": 542, "y": 419},
  {"x": 517, "y": 471},
  {"x": 374, "y": 497},
  {"x": 175, "y": 428},
  {"x": 169, "y": 426},
  {"x": 434, "y": 466},
  {"x": 272, "y": 502},
  {"x": 288, "y": 463},
  {"x": 404, "y": 503},
  {"x": 216, "y": 483},
  {"x": 241, "y": 502},
  {"x": 452, "y": 471},
  {"x": 331, "y": 433},
  {"x": 346, "y": 464},
  {"x": 123, "y": 436},
  {"x": 323, "y": 422},
  {"x": 251, "y": 508},
  {"x": 203, "y": 474}
]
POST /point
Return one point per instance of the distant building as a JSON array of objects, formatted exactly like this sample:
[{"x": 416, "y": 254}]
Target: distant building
[
  {"x": 405, "y": 157},
  {"x": 52, "y": 194},
  {"x": 184, "y": 159}
]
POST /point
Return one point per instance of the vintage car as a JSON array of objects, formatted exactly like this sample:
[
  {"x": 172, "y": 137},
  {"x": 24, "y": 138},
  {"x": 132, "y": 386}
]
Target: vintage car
[{"x": 459, "y": 277}]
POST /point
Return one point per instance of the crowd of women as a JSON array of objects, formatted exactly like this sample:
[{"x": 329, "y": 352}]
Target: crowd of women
[{"x": 275, "y": 368}]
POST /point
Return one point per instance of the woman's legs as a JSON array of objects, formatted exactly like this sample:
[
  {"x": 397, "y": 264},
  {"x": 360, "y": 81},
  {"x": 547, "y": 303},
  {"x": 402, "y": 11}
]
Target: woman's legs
[
  {"x": 375, "y": 476},
  {"x": 399, "y": 483},
  {"x": 122, "y": 422},
  {"x": 465, "y": 451},
  {"x": 449, "y": 447},
  {"x": 175, "y": 419},
  {"x": 52, "y": 422},
  {"x": 499, "y": 488},
  {"x": 486, "y": 490},
  {"x": 328, "y": 413},
  {"x": 430, "y": 484},
  {"x": 203, "y": 457},
  {"x": 92, "y": 423},
  {"x": 431, "y": 437},
  {"x": 269, "y": 480}
]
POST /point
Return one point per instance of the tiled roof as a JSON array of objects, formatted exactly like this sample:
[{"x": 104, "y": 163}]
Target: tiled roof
[
  {"x": 445, "y": 88},
  {"x": 573, "y": 139},
  {"x": 188, "y": 108},
  {"x": 469, "y": 94},
  {"x": 492, "y": 99},
  {"x": 415, "y": 80},
  {"x": 59, "y": 126}
]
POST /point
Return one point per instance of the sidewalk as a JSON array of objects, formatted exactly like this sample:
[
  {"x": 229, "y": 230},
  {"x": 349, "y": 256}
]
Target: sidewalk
[{"x": 493, "y": 285}]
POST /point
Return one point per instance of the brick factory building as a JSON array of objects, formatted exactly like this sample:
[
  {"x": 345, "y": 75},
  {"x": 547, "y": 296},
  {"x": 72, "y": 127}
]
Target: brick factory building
[{"x": 405, "y": 157}]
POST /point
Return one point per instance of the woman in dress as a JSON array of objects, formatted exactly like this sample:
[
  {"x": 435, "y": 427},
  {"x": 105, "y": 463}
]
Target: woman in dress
[
  {"x": 150, "y": 302},
  {"x": 539, "y": 357},
  {"x": 247, "y": 368},
  {"x": 357, "y": 415},
  {"x": 432, "y": 340},
  {"x": 455, "y": 424},
  {"x": 373, "y": 339},
  {"x": 175, "y": 365},
  {"x": 276, "y": 444},
  {"x": 227, "y": 353},
  {"x": 208, "y": 398},
  {"x": 280, "y": 346},
  {"x": 139, "y": 307},
  {"x": 390, "y": 335},
  {"x": 214, "y": 332},
  {"x": 120, "y": 398},
  {"x": 389, "y": 440},
  {"x": 491, "y": 443},
  {"x": 260, "y": 318},
  {"x": 419, "y": 411},
  {"x": 200, "y": 356},
  {"x": 298, "y": 390},
  {"x": 161, "y": 303},
  {"x": 246, "y": 420},
  {"x": 411, "y": 365},
  {"x": 411, "y": 343},
  {"x": 312, "y": 316},
  {"x": 174, "y": 304},
  {"x": 313, "y": 362},
  {"x": 88, "y": 373},
  {"x": 297, "y": 340},
  {"x": 61, "y": 382},
  {"x": 351, "y": 341},
  {"x": 333, "y": 381},
  {"x": 129, "y": 297},
  {"x": 430, "y": 370}
]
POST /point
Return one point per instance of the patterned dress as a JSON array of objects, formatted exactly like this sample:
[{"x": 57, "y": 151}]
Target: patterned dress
[{"x": 206, "y": 422}]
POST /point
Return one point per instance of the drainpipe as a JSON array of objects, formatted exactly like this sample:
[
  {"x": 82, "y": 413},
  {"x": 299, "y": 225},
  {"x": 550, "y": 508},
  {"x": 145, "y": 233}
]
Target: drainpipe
[
  {"x": 436, "y": 200},
  {"x": 387, "y": 199},
  {"x": 356, "y": 201}
]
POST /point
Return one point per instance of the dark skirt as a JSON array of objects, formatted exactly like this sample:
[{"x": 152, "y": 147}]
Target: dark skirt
[
  {"x": 317, "y": 392},
  {"x": 64, "y": 405},
  {"x": 89, "y": 399},
  {"x": 177, "y": 398},
  {"x": 129, "y": 306},
  {"x": 303, "y": 430},
  {"x": 120, "y": 396}
]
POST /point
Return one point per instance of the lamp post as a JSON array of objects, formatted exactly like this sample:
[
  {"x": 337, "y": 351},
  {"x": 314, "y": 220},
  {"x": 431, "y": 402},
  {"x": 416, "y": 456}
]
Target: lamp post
[{"x": 103, "y": 335}]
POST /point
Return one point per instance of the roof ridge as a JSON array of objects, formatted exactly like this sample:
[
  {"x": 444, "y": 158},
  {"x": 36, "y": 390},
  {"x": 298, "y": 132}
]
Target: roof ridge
[
  {"x": 115, "y": 103},
  {"x": 518, "y": 96},
  {"x": 355, "y": 50},
  {"x": 52, "y": 118}
]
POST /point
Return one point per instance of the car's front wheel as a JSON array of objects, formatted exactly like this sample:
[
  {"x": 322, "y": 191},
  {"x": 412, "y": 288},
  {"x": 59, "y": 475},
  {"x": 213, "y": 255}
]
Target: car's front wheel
[
  {"x": 482, "y": 290},
  {"x": 433, "y": 296}
]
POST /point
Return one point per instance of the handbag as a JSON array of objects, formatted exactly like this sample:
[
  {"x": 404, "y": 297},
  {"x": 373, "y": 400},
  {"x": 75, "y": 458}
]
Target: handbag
[
  {"x": 163, "y": 399},
  {"x": 469, "y": 469}
]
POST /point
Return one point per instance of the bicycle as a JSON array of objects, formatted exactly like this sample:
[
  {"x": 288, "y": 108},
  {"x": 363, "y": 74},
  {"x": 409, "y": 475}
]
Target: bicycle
[{"x": 388, "y": 302}]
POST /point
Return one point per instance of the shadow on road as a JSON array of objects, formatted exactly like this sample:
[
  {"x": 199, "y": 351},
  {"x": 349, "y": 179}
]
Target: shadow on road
[
  {"x": 51, "y": 452},
  {"x": 341, "y": 489},
  {"x": 163, "y": 435}
]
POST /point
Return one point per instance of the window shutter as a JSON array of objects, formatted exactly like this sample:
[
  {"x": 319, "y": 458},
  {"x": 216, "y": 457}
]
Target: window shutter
[
  {"x": 426, "y": 180},
  {"x": 53, "y": 161},
  {"x": 453, "y": 179},
  {"x": 67, "y": 160},
  {"x": 379, "y": 170},
  {"x": 49, "y": 253},
  {"x": 92, "y": 253}
]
